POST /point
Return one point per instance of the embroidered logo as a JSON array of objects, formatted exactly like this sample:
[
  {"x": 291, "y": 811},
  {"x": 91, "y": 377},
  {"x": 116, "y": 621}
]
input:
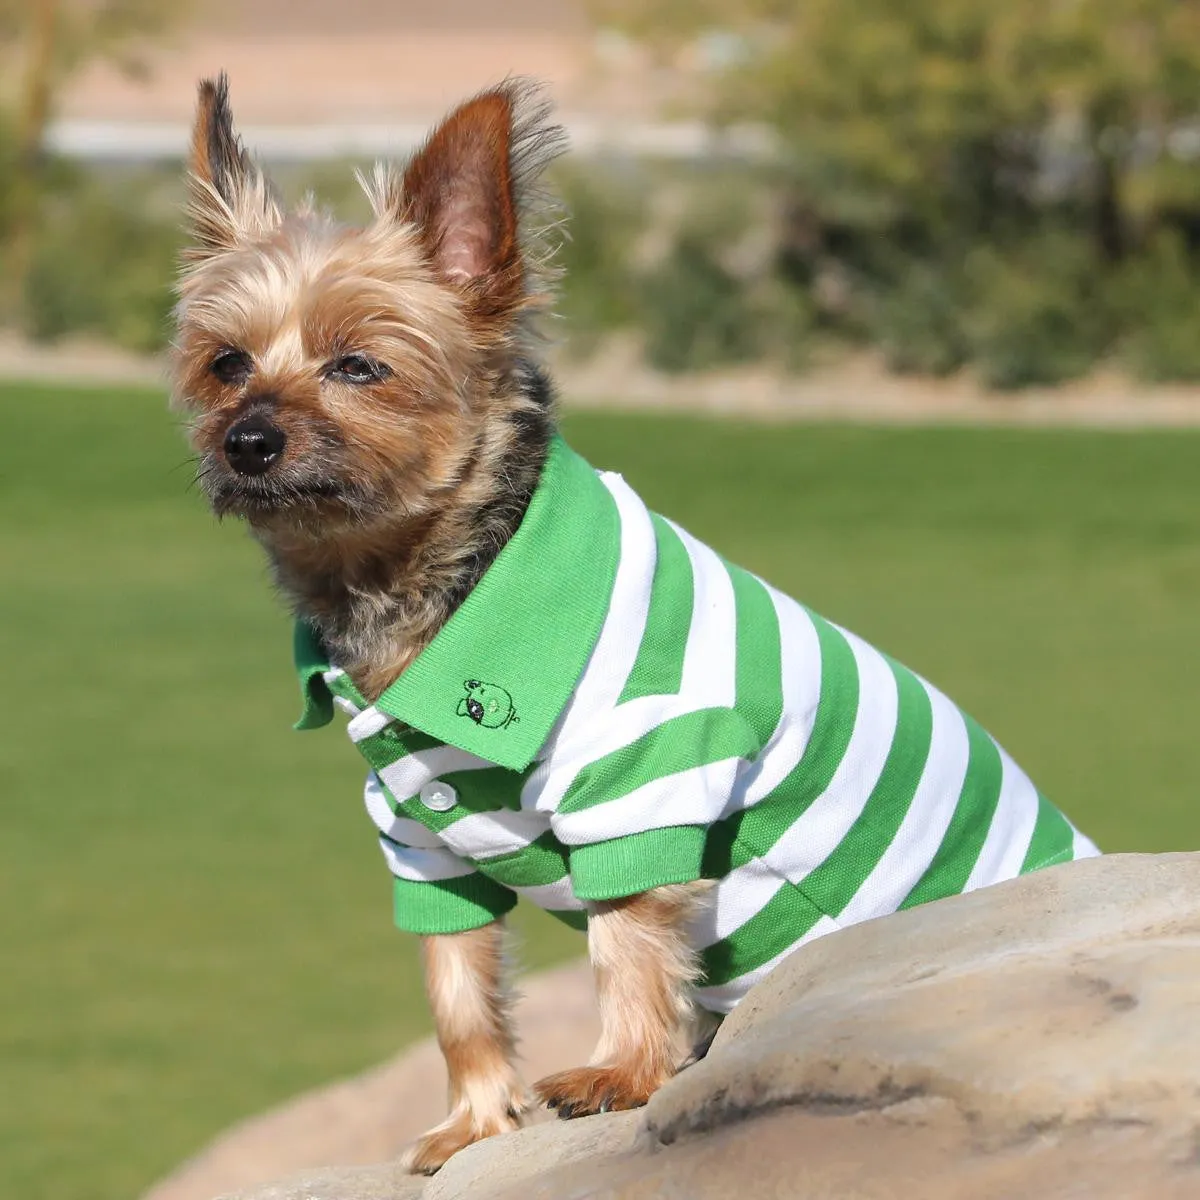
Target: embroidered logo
[{"x": 487, "y": 705}]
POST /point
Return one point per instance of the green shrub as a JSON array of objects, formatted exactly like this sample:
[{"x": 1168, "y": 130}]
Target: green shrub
[
  {"x": 603, "y": 219},
  {"x": 102, "y": 266},
  {"x": 1158, "y": 297},
  {"x": 918, "y": 323},
  {"x": 1036, "y": 314},
  {"x": 695, "y": 312}
]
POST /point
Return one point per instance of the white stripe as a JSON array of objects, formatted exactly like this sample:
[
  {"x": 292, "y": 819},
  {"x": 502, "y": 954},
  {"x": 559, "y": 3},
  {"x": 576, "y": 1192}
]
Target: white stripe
[
  {"x": 1083, "y": 847},
  {"x": 734, "y": 900},
  {"x": 423, "y": 866},
  {"x": 556, "y": 896},
  {"x": 710, "y": 658},
  {"x": 408, "y": 775},
  {"x": 745, "y": 890},
  {"x": 820, "y": 830},
  {"x": 400, "y": 829},
  {"x": 367, "y": 723},
  {"x": 612, "y": 658},
  {"x": 347, "y": 706},
  {"x": 488, "y": 834},
  {"x": 800, "y": 658},
  {"x": 723, "y": 997},
  {"x": 743, "y": 893},
  {"x": 694, "y": 796},
  {"x": 710, "y": 681},
  {"x": 928, "y": 817},
  {"x": 1011, "y": 830}
]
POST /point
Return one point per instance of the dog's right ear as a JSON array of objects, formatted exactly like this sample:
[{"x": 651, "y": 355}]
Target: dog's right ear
[{"x": 229, "y": 198}]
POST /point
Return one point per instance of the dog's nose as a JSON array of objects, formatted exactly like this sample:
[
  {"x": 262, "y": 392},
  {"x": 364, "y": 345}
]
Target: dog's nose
[{"x": 253, "y": 444}]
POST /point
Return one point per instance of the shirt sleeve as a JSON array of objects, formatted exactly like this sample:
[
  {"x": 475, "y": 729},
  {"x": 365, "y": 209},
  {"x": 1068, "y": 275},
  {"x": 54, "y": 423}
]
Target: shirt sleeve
[
  {"x": 433, "y": 890},
  {"x": 639, "y": 817}
]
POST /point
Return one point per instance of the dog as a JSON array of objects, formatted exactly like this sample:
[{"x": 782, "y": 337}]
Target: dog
[{"x": 560, "y": 695}]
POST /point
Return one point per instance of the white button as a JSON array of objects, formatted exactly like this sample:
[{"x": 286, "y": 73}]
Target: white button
[{"x": 438, "y": 796}]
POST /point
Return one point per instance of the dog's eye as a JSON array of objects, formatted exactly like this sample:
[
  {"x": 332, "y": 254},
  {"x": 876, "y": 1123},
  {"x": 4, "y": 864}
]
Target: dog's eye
[
  {"x": 231, "y": 366},
  {"x": 358, "y": 368}
]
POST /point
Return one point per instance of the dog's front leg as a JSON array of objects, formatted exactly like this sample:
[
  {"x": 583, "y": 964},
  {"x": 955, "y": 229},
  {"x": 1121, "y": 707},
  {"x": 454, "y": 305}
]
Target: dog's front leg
[
  {"x": 644, "y": 971},
  {"x": 464, "y": 977}
]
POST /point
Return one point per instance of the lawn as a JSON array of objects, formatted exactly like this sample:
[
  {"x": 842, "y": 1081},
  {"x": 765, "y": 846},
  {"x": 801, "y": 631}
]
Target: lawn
[{"x": 194, "y": 919}]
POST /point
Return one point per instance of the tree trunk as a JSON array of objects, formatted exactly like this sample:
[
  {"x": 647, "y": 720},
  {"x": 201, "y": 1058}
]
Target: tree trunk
[
  {"x": 1110, "y": 220},
  {"x": 33, "y": 114}
]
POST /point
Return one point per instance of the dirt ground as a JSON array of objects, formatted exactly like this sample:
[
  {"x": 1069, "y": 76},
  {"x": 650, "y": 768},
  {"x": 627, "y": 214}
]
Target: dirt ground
[{"x": 854, "y": 390}]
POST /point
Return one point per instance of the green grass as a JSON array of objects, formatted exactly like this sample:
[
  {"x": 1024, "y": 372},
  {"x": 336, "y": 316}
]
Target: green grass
[{"x": 194, "y": 919}]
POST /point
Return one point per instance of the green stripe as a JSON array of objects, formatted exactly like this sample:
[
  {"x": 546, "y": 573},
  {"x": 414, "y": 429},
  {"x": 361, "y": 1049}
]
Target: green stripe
[
  {"x": 658, "y": 669},
  {"x": 780, "y": 923},
  {"x": 343, "y": 686},
  {"x": 311, "y": 664},
  {"x": 752, "y": 832},
  {"x": 394, "y": 742},
  {"x": 627, "y": 865},
  {"x": 759, "y": 669},
  {"x": 1053, "y": 838},
  {"x": 963, "y": 841},
  {"x": 834, "y": 883},
  {"x": 711, "y": 735},
  {"x": 448, "y": 905},
  {"x": 488, "y": 789},
  {"x": 541, "y": 862},
  {"x": 692, "y": 739}
]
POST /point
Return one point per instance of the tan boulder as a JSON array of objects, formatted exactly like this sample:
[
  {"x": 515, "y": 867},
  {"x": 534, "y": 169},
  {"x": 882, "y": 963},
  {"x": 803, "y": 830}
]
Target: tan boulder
[
  {"x": 1038, "y": 1038},
  {"x": 369, "y": 1117}
]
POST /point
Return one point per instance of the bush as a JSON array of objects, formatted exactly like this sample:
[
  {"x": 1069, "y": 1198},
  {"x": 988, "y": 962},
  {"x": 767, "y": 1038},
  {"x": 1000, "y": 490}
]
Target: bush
[
  {"x": 102, "y": 266},
  {"x": 1158, "y": 297},
  {"x": 1036, "y": 315},
  {"x": 695, "y": 312},
  {"x": 604, "y": 219},
  {"x": 918, "y": 323}
]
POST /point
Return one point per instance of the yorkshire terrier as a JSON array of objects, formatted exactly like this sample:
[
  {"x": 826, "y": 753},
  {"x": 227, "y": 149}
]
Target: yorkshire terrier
[{"x": 559, "y": 695}]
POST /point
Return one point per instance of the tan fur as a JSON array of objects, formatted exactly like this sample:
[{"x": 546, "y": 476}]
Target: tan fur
[
  {"x": 396, "y": 484},
  {"x": 644, "y": 969},
  {"x": 465, "y": 981},
  {"x": 393, "y": 495}
]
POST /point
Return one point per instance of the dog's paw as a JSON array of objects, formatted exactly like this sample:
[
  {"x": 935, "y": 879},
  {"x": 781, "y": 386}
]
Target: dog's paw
[
  {"x": 432, "y": 1150},
  {"x": 587, "y": 1090}
]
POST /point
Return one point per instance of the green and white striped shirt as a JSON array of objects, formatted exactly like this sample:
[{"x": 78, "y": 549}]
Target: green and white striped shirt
[{"x": 615, "y": 707}]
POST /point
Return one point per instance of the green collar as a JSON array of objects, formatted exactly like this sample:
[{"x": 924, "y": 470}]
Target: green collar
[{"x": 495, "y": 679}]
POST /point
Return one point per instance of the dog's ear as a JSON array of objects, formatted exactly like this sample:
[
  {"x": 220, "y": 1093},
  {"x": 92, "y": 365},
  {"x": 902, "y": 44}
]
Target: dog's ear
[
  {"x": 229, "y": 198},
  {"x": 469, "y": 188}
]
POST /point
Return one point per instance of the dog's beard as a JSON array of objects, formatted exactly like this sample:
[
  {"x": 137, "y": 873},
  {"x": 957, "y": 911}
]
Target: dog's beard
[{"x": 277, "y": 493}]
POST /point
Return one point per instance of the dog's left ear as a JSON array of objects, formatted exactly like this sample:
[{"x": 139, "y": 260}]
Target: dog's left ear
[
  {"x": 468, "y": 189},
  {"x": 229, "y": 198}
]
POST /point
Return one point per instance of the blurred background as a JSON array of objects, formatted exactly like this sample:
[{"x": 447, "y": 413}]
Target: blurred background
[{"x": 933, "y": 225}]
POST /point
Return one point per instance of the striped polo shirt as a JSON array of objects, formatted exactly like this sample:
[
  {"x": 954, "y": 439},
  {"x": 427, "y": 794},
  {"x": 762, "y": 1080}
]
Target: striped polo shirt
[{"x": 615, "y": 707}]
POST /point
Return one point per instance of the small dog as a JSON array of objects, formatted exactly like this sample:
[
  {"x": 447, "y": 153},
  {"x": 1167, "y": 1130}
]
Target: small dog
[{"x": 560, "y": 695}]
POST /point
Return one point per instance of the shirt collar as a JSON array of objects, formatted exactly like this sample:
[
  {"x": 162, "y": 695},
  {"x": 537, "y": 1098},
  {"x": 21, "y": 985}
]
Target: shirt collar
[{"x": 496, "y": 677}]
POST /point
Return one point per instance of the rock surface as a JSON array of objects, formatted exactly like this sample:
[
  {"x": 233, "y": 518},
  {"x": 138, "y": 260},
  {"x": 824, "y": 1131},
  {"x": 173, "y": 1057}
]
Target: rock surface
[
  {"x": 368, "y": 1118},
  {"x": 1039, "y": 1038}
]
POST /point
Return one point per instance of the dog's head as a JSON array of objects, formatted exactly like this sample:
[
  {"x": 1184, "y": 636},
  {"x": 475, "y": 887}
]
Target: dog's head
[{"x": 341, "y": 375}]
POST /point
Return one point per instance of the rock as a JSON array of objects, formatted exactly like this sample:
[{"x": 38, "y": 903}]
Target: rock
[
  {"x": 1038, "y": 1038},
  {"x": 368, "y": 1118},
  {"x": 513, "y": 1163},
  {"x": 1056, "y": 999},
  {"x": 356, "y": 1183}
]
